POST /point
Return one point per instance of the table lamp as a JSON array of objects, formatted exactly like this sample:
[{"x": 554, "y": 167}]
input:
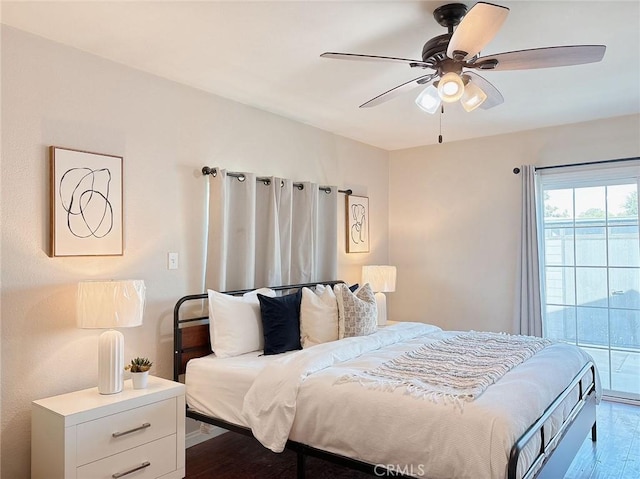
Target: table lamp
[
  {"x": 110, "y": 304},
  {"x": 382, "y": 279}
]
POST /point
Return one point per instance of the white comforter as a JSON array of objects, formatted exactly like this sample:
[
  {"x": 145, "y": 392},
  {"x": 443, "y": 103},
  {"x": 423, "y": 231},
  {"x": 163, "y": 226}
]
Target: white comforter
[{"x": 296, "y": 398}]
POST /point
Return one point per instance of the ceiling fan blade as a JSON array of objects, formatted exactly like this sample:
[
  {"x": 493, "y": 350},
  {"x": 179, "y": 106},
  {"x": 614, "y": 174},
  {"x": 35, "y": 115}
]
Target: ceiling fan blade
[
  {"x": 395, "y": 91},
  {"x": 375, "y": 58},
  {"x": 494, "y": 97},
  {"x": 541, "y": 58},
  {"x": 476, "y": 30}
]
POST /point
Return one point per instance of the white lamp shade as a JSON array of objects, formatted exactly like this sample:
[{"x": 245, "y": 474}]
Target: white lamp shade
[
  {"x": 110, "y": 304},
  {"x": 382, "y": 279}
]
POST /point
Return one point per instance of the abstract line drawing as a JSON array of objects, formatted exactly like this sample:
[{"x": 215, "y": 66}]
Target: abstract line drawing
[
  {"x": 84, "y": 194},
  {"x": 86, "y": 203},
  {"x": 359, "y": 220},
  {"x": 357, "y": 227}
]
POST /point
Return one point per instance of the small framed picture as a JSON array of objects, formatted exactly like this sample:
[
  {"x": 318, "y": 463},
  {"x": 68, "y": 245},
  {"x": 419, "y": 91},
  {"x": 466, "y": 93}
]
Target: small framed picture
[
  {"x": 85, "y": 203},
  {"x": 357, "y": 228}
]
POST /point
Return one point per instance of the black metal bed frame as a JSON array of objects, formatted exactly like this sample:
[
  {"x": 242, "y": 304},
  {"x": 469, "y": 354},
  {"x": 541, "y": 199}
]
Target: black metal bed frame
[{"x": 191, "y": 340}]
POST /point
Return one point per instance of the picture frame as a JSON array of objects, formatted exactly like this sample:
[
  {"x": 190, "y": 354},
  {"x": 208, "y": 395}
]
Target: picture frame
[
  {"x": 86, "y": 203},
  {"x": 357, "y": 224}
]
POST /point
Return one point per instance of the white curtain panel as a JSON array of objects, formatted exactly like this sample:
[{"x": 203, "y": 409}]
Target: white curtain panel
[
  {"x": 269, "y": 233},
  {"x": 304, "y": 224},
  {"x": 326, "y": 249},
  {"x": 528, "y": 298},
  {"x": 231, "y": 245}
]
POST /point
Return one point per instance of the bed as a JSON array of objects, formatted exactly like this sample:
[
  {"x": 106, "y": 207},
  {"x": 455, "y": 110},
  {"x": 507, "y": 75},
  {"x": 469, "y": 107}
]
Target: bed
[{"x": 530, "y": 423}]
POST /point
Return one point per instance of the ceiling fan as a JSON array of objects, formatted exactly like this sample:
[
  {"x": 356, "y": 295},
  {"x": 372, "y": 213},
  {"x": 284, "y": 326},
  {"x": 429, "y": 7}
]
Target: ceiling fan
[{"x": 454, "y": 59}]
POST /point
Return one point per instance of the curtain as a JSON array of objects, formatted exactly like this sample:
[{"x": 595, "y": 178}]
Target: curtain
[
  {"x": 528, "y": 297},
  {"x": 231, "y": 245},
  {"x": 269, "y": 232}
]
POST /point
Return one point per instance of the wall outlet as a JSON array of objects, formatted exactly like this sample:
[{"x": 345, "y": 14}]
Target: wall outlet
[{"x": 172, "y": 260}]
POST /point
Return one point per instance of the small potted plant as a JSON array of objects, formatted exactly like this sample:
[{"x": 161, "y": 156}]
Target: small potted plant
[{"x": 139, "y": 368}]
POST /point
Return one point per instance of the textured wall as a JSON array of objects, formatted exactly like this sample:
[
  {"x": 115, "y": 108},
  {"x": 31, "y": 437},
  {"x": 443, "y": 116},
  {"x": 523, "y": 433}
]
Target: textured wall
[
  {"x": 55, "y": 95},
  {"x": 454, "y": 221}
]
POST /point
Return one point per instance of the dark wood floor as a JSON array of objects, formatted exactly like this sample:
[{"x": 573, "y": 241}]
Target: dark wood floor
[{"x": 616, "y": 454}]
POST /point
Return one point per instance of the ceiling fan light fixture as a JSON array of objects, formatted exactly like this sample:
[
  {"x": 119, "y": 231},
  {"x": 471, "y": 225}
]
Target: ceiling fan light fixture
[
  {"x": 472, "y": 97},
  {"x": 429, "y": 100},
  {"x": 450, "y": 87},
  {"x": 453, "y": 55}
]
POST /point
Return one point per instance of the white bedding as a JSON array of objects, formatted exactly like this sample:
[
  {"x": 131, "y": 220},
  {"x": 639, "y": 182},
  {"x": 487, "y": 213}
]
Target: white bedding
[
  {"x": 217, "y": 386},
  {"x": 295, "y": 396}
]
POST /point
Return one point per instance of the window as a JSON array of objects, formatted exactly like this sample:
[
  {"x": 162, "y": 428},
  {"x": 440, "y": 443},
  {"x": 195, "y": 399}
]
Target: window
[{"x": 590, "y": 266}]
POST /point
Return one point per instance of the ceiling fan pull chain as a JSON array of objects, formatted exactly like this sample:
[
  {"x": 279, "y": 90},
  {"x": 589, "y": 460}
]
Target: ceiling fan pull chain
[{"x": 441, "y": 113}]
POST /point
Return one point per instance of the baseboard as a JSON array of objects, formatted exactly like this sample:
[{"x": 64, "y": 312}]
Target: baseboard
[
  {"x": 623, "y": 400},
  {"x": 196, "y": 437}
]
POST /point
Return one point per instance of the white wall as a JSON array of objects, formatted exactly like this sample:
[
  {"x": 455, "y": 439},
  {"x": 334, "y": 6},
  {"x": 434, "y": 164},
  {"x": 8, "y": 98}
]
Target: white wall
[
  {"x": 454, "y": 218},
  {"x": 0, "y": 254},
  {"x": 54, "y": 95}
]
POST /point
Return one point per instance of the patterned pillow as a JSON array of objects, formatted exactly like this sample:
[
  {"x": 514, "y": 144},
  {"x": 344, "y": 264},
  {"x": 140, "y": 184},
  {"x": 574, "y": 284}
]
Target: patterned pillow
[{"x": 357, "y": 312}]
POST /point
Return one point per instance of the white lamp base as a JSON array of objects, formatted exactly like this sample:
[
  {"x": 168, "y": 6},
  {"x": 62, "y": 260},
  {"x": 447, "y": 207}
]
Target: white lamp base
[
  {"x": 110, "y": 362},
  {"x": 381, "y": 302}
]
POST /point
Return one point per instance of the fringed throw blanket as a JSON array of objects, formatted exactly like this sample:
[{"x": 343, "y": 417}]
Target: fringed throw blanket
[{"x": 459, "y": 368}]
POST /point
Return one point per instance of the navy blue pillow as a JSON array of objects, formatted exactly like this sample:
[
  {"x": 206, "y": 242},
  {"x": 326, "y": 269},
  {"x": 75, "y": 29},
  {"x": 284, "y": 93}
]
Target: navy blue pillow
[
  {"x": 353, "y": 288},
  {"x": 281, "y": 322}
]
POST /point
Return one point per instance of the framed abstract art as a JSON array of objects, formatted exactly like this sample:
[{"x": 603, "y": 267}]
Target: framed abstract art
[
  {"x": 357, "y": 227},
  {"x": 86, "y": 217}
]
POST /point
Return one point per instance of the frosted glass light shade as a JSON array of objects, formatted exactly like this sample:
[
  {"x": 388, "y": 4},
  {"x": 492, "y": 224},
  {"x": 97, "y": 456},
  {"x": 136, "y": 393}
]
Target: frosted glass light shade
[
  {"x": 382, "y": 279},
  {"x": 429, "y": 100},
  {"x": 450, "y": 87},
  {"x": 110, "y": 304},
  {"x": 472, "y": 97}
]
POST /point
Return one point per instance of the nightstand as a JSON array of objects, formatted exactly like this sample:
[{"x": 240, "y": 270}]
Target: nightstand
[{"x": 138, "y": 433}]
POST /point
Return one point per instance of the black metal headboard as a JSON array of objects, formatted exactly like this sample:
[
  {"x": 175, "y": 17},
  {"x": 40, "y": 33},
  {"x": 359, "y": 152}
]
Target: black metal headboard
[{"x": 191, "y": 334}]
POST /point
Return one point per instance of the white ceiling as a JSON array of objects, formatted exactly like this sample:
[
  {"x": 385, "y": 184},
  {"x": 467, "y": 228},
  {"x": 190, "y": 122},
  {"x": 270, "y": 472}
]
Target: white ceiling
[{"x": 266, "y": 54}]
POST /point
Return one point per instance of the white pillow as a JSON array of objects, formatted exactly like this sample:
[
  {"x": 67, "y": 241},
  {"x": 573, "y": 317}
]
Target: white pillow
[
  {"x": 318, "y": 316},
  {"x": 358, "y": 312},
  {"x": 235, "y": 325}
]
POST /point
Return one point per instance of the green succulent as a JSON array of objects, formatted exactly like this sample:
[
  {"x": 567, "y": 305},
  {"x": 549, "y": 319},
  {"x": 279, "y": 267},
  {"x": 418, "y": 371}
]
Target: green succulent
[{"x": 139, "y": 365}]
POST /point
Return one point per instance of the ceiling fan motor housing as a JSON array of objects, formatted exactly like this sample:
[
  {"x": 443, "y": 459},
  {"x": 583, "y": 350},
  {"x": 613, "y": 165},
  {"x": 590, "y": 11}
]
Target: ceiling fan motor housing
[
  {"x": 435, "y": 50},
  {"x": 449, "y": 16}
]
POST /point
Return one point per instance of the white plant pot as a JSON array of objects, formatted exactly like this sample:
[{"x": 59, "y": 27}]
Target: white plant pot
[{"x": 140, "y": 380}]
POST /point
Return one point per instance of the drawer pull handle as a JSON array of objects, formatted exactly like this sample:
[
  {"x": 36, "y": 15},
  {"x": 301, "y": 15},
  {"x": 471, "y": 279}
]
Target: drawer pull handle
[
  {"x": 137, "y": 468},
  {"x": 139, "y": 428}
]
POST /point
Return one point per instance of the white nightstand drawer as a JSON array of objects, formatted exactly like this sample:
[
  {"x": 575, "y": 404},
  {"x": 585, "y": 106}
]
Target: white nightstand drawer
[
  {"x": 118, "y": 432},
  {"x": 143, "y": 462}
]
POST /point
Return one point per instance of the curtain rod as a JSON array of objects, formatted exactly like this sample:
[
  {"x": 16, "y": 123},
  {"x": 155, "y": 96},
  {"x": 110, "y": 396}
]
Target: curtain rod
[
  {"x": 586, "y": 163},
  {"x": 267, "y": 181}
]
